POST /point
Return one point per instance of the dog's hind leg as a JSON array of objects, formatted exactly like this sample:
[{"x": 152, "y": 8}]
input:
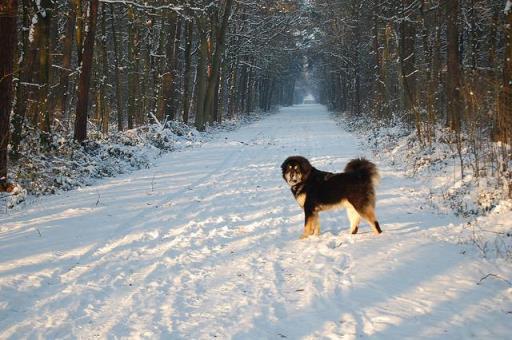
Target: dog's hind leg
[
  {"x": 353, "y": 217},
  {"x": 369, "y": 215}
]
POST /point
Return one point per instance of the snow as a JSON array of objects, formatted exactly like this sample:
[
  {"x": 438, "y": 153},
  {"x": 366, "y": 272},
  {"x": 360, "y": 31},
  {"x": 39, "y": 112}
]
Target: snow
[
  {"x": 67, "y": 165},
  {"x": 480, "y": 199},
  {"x": 206, "y": 245},
  {"x": 32, "y": 28},
  {"x": 309, "y": 99}
]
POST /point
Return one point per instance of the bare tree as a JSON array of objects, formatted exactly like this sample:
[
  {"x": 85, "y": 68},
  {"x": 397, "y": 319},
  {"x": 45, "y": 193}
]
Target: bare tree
[
  {"x": 454, "y": 78},
  {"x": 8, "y": 16},
  {"x": 85, "y": 74},
  {"x": 504, "y": 114}
]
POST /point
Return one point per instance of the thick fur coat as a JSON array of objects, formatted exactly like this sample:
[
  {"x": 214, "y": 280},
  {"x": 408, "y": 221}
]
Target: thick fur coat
[{"x": 316, "y": 191}]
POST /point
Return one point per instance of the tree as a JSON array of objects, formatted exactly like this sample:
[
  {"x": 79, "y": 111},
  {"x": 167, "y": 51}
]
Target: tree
[
  {"x": 504, "y": 114},
  {"x": 61, "y": 100},
  {"x": 187, "y": 69},
  {"x": 407, "y": 53},
  {"x": 44, "y": 17},
  {"x": 8, "y": 16},
  {"x": 85, "y": 74},
  {"x": 119, "y": 106},
  {"x": 454, "y": 78},
  {"x": 212, "y": 31}
]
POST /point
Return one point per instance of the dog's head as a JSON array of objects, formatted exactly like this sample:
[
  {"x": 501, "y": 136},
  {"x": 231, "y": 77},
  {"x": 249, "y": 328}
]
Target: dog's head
[{"x": 296, "y": 169}]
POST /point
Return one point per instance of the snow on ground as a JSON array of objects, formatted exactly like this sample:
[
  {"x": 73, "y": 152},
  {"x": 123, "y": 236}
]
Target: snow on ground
[
  {"x": 205, "y": 245},
  {"x": 482, "y": 200}
]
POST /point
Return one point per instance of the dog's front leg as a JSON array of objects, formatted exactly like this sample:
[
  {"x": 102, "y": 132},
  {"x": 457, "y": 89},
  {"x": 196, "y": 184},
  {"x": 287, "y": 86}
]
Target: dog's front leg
[{"x": 311, "y": 223}]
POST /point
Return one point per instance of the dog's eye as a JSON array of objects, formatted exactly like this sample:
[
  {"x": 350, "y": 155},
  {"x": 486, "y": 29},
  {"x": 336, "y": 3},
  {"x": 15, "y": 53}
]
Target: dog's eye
[{"x": 296, "y": 167}]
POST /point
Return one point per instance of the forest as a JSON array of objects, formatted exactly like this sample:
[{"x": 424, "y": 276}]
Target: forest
[
  {"x": 167, "y": 167},
  {"x": 82, "y": 70}
]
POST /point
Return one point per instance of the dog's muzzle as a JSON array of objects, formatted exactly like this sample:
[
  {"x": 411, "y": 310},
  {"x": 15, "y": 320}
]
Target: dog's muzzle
[{"x": 293, "y": 178}]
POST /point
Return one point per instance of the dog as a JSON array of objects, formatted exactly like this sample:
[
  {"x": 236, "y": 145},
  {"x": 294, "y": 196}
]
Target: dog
[{"x": 316, "y": 191}]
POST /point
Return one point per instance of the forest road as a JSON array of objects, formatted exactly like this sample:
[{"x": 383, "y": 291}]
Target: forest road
[{"x": 205, "y": 245}]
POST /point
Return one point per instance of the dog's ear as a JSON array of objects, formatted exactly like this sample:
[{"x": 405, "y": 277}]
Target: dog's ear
[
  {"x": 305, "y": 167},
  {"x": 284, "y": 166}
]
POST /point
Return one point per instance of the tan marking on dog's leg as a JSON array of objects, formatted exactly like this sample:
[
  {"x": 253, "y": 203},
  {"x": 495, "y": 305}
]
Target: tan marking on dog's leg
[
  {"x": 312, "y": 226},
  {"x": 369, "y": 215},
  {"x": 316, "y": 225},
  {"x": 301, "y": 198},
  {"x": 353, "y": 217}
]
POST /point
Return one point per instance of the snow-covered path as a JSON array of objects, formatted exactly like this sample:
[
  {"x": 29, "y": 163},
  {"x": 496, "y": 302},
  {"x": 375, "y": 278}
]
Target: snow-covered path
[{"x": 205, "y": 245}]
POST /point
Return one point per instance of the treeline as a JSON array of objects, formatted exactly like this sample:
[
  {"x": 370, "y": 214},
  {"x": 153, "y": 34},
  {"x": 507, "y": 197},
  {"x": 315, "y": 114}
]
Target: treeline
[
  {"x": 72, "y": 67},
  {"x": 425, "y": 62}
]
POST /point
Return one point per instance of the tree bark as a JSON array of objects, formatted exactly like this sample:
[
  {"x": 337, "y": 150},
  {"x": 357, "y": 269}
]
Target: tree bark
[
  {"x": 23, "y": 91},
  {"x": 62, "y": 92},
  {"x": 167, "y": 108},
  {"x": 44, "y": 18},
  {"x": 8, "y": 16},
  {"x": 119, "y": 106},
  {"x": 202, "y": 81},
  {"x": 504, "y": 119},
  {"x": 381, "y": 98},
  {"x": 454, "y": 77},
  {"x": 187, "y": 69},
  {"x": 250, "y": 91},
  {"x": 407, "y": 54},
  {"x": 213, "y": 77},
  {"x": 85, "y": 75},
  {"x": 232, "y": 96},
  {"x": 133, "y": 78},
  {"x": 103, "y": 78},
  {"x": 79, "y": 25}
]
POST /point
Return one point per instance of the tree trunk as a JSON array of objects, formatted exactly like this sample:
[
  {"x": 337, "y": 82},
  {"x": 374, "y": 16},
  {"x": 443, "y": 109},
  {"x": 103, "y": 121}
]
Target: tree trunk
[
  {"x": 242, "y": 90},
  {"x": 217, "y": 58},
  {"x": 132, "y": 68},
  {"x": 67, "y": 50},
  {"x": 381, "y": 98},
  {"x": 493, "y": 39},
  {"x": 504, "y": 121},
  {"x": 232, "y": 96},
  {"x": 146, "y": 74},
  {"x": 85, "y": 75},
  {"x": 250, "y": 90},
  {"x": 44, "y": 18},
  {"x": 167, "y": 75},
  {"x": 407, "y": 55},
  {"x": 217, "y": 115},
  {"x": 103, "y": 111},
  {"x": 79, "y": 25},
  {"x": 23, "y": 91},
  {"x": 454, "y": 78},
  {"x": 187, "y": 70},
  {"x": 119, "y": 106},
  {"x": 167, "y": 109},
  {"x": 8, "y": 15},
  {"x": 202, "y": 81},
  {"x": 436, "y": 66}
]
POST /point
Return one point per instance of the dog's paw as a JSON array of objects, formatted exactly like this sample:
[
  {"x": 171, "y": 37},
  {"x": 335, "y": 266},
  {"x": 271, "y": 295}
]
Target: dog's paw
[{"x": 303, "y": 236}]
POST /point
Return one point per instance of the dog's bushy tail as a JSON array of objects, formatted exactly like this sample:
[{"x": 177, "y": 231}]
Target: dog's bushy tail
[{"x": 365, "y": 168}]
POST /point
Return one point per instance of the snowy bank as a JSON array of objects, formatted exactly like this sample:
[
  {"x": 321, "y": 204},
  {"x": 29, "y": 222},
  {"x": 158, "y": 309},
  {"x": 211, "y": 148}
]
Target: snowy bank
[
  {"x": 66, "y": 165},
  {"x": 478, "y": 195}
]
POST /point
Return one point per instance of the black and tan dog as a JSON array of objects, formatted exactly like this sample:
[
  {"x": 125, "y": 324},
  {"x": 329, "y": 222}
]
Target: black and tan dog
[{"x": 316, "y": 191}]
